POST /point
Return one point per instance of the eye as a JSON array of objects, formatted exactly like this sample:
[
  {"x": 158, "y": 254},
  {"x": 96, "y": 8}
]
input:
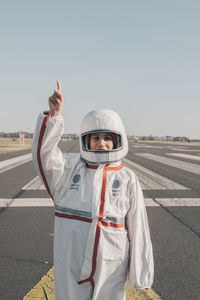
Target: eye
[
  {"x": 95, "y": 138},
  {"x": 108, "y": 138}
]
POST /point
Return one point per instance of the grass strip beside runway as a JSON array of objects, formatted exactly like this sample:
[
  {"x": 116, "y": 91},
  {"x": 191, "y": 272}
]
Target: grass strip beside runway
[
  {"x": 44, "y": 289},
  {"x": 12, "y": 145}
]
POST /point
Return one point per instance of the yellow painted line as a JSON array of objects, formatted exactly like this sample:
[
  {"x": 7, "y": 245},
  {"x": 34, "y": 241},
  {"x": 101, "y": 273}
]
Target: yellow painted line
[
  {"x": 141, "y": 295},
  {"x": 44, "y": 290}
]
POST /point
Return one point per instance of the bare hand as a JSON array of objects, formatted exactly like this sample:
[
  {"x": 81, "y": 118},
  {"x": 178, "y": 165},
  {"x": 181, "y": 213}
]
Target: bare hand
[{"x": 56, "y": 101}]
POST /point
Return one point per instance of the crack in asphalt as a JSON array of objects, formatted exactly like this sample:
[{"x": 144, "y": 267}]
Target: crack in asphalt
[
  {"x": 45, "y": 294},
  {"x": 177, "y": 218}
]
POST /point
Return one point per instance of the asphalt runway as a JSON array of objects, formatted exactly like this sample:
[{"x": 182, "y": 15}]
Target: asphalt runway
[{"x": 169, "y": 175}]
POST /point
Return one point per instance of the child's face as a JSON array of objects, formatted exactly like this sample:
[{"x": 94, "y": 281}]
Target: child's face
[{"x": 101, "y": 141}]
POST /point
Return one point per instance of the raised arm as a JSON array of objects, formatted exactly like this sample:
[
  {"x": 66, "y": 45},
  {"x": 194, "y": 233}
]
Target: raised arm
[{"x": 47, "y": 157}]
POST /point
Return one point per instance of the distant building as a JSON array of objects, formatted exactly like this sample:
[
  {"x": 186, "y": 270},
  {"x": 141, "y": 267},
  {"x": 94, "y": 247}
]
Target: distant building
[
  {"x": 181, "y": 139},
  {"x": 70, "y": 136},
  {"x": 133, "y": 138},
  {"x": 169, "y": 138}
]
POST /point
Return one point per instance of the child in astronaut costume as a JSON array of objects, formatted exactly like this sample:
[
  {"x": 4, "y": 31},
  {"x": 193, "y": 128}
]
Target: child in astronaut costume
[{"x": 101, "y": 228}]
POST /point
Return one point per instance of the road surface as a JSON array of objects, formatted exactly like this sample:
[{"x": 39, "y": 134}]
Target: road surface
[{"x": 170, "y": 179}]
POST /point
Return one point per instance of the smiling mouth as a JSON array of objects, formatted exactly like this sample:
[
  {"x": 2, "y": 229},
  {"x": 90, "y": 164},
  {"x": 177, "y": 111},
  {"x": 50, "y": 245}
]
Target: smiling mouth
[{"x": 100, "y": 149}]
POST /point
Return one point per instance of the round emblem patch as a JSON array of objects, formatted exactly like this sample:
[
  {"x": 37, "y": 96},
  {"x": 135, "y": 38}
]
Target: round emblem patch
[{"x": 76, "y": 178}]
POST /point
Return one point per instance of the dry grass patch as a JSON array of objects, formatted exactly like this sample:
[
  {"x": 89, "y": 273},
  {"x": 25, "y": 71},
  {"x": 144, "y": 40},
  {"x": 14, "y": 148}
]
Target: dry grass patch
[{"x": 11, "y": 145}]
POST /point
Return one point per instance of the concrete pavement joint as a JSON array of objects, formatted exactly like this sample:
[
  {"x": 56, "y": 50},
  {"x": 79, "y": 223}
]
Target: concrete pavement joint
[
  {"x": 45, "y": 294},
  {"x": 3, "y": 209}
]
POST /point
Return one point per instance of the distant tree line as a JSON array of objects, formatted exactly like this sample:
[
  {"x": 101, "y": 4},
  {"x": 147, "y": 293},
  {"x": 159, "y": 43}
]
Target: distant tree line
[
  {"x": 28, "y": 135},
  {"x": 72, "y": 136},
  {"x": 16, "y": 134},
  {"x": 163, "y": 138}
]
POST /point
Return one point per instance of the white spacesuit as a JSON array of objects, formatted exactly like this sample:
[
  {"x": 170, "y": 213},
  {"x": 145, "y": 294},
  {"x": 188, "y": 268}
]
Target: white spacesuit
[{"x": 101, "y": 228}]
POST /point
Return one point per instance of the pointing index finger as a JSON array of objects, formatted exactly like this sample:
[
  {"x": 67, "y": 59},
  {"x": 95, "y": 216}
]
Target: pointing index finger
[{"x": 59, "y": 85}]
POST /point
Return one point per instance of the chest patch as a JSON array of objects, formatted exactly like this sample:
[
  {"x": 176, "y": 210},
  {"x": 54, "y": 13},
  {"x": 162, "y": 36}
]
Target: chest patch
[
  {"x": 116, "y": 187},
  {"x": 75, "y": 182}
]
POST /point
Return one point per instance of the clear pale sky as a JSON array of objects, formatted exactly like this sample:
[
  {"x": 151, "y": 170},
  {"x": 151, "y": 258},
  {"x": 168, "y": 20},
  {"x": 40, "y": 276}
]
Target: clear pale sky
[{"x": 140, "y": 58}]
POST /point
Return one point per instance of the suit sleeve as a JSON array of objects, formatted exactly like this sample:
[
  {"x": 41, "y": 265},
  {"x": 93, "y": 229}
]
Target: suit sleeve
[
  {"x": 141, "y": 264},
  {"x": 47, "y": 157}
]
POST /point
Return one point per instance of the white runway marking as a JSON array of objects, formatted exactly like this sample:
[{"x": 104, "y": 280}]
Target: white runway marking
[
  {"x": 145, "y": 146},
  {"x": 34, "y": 184},
  {"x": 189, "y": 156},
  {"x": 11, "y": 163},
  {"x": 26, "y": 202},
  {"x": 149, "y": 202},
  {"x": 148, "y": 179},
  {"x": 182, "y": 149},
  {"x": 152, "y": 147},
  {"x": 134, "y": 146},
  {"x": 152, "y": 181},
  {"x": 172, "y": 162},
  {"x": 179, "y": 201}
]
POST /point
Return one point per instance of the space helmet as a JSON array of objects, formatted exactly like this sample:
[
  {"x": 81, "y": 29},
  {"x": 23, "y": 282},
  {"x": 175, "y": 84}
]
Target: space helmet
[{"x": 103, "y": 120}]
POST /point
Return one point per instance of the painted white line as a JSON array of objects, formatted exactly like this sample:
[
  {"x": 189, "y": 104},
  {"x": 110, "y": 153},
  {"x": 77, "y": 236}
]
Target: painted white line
[
  {"x": 11, "y": 163},
  {"x": 5, "y": 202},
  {"x": 179, "y": 201},
  {"x": 146, "y": 146},
  {"x": 152, "y": 181},
  {"x": 182, "y": 155},
  {"x": 153, "y": 147},
  {"x": 149, "y": 202},
  {"x": 134, "y": 145},
  {"x": 182, "y": 149},
  {"x": 172, "y": 162},
  {"x": 35, "y": 184},
  {"x": 27, "y": 202}
]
